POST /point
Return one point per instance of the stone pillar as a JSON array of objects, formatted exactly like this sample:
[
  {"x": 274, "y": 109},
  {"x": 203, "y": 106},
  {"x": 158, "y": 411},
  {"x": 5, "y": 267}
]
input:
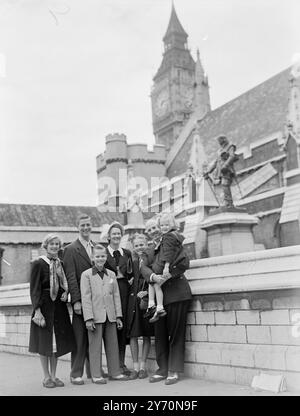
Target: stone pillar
[{"x": 229, "y": 231}]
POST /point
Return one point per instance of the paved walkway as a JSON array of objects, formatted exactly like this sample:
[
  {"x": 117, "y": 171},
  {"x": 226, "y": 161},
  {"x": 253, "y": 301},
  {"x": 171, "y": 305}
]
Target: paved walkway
[{"x": 22, "y": 376}]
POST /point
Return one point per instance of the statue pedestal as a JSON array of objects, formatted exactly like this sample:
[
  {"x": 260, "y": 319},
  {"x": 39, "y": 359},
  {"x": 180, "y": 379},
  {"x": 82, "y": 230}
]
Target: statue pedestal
[
  {"x": 229, "y": 231},
  {"x": 195, "y": 241}
]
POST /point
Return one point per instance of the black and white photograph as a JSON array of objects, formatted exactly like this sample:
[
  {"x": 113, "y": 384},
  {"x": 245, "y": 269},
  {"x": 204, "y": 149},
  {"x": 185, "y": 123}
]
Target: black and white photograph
[{"x": 149, "y": 201}]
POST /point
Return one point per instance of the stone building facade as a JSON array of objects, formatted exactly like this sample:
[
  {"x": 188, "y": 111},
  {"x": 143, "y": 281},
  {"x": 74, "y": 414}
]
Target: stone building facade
[{"x": 263, "y": 123}]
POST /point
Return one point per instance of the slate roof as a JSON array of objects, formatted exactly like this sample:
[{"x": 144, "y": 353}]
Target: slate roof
[
  {"x": 53, "y": 216},
  {"x": 253, "y": 115}
]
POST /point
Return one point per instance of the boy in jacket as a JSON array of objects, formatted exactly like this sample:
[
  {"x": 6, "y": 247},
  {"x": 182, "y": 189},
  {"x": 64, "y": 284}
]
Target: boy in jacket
[{"x": 102, "y": 313}]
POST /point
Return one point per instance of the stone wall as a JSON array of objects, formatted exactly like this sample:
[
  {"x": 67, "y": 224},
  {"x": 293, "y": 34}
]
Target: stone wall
[
  {"x": 244, "y": 318},
  {"x": 231, "y": 338}
]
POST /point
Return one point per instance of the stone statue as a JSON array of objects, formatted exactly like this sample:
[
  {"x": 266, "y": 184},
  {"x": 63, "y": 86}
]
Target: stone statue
[{"x": 223, "y": 168}]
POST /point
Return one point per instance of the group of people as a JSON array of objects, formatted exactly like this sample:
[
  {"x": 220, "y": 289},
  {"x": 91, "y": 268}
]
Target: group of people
[{"x": 107, "y": 287}]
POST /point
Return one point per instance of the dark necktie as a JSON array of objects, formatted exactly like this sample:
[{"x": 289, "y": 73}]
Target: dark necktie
[
  {"x": 101, "y": 273},
  {"x": 117, "y": 256}
]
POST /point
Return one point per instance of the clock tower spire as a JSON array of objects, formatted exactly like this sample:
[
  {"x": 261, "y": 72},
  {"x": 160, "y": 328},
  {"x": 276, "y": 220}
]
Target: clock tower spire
[{"x": 172, "y": 93}]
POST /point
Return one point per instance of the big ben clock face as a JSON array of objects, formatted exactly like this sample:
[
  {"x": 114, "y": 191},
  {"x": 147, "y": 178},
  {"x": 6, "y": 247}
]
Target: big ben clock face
[{"x": 162, "y": 103}]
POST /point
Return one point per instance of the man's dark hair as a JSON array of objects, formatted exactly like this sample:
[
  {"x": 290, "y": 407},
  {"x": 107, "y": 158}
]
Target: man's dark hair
[{"x": 82, "y": 217}]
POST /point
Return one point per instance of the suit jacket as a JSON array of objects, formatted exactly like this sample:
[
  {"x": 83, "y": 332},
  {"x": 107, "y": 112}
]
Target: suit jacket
[
  {"x": 176, "y": 289},
  {"x": 125, "y": 264},
  {"x": 76, "y": 261},
  {"x": 100, "y": 297}
]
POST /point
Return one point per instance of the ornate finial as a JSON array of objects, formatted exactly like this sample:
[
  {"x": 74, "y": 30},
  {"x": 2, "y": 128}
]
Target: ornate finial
[
  {"x": 190, "y": 173},
  {"x": 198, "y": 54}
]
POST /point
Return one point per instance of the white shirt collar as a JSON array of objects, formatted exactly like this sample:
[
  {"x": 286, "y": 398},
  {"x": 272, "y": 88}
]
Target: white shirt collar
[
  {"x": 84, "y": 242},
  {"x": 111, "y": 250}
]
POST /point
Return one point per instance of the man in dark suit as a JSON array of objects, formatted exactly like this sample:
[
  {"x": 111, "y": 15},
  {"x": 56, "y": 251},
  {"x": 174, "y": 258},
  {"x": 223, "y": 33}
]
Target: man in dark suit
[
  {"x": 77, "y": 259},
  {"x": 169, "y": 330}
]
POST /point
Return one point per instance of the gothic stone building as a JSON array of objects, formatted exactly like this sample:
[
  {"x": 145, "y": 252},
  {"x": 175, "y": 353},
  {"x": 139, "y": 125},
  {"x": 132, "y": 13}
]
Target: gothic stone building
[{"x": 263, "y": 123}]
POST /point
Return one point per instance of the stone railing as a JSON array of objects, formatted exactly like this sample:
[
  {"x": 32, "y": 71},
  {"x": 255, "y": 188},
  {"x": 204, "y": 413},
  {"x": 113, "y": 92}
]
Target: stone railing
[{"x": 244, "y": 318}]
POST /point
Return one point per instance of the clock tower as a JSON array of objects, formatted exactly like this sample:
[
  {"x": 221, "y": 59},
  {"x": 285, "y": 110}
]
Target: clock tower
[{"x": 173, "y": 91}]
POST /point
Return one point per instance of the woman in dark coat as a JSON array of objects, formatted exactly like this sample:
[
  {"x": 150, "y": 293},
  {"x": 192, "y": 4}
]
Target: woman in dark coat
[
  {"x": 137, "y": 325},
  {"x": 51, "y": 334}
]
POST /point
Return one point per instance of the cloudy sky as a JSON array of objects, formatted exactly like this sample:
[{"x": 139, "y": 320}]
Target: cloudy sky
[{"x": 73, "y": 71}]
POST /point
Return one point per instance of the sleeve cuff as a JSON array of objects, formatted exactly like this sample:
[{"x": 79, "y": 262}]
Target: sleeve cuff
[{"x": 151, "y": 277}]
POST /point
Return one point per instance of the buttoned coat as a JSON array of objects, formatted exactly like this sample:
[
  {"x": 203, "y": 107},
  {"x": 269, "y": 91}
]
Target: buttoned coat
[
  {"x": 137, "y": 325},
  {"x": 125, "y": 263},
  {"x": 55, "y": 313},
  {"x": 76, "y": 261},
  {"x": 176, "y": 289},
  {"x": 100, "y": 297}
]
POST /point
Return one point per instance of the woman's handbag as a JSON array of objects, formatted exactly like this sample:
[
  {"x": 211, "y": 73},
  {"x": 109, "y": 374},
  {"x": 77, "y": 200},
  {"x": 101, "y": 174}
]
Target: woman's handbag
[
  {"x": 143, "y": 304},
  {"x": 39, "y": 321}
]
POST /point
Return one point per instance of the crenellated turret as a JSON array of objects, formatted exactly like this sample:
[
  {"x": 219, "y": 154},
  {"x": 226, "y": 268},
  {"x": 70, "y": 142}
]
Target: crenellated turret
[{"x": 112, "y": 168}]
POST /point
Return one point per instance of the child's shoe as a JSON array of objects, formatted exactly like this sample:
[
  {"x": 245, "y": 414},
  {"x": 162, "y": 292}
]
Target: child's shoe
[
  {"x": 150, "y": 311},
  {"x": 162, "y": 312},
  {"x": 158, "y": 314}
]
